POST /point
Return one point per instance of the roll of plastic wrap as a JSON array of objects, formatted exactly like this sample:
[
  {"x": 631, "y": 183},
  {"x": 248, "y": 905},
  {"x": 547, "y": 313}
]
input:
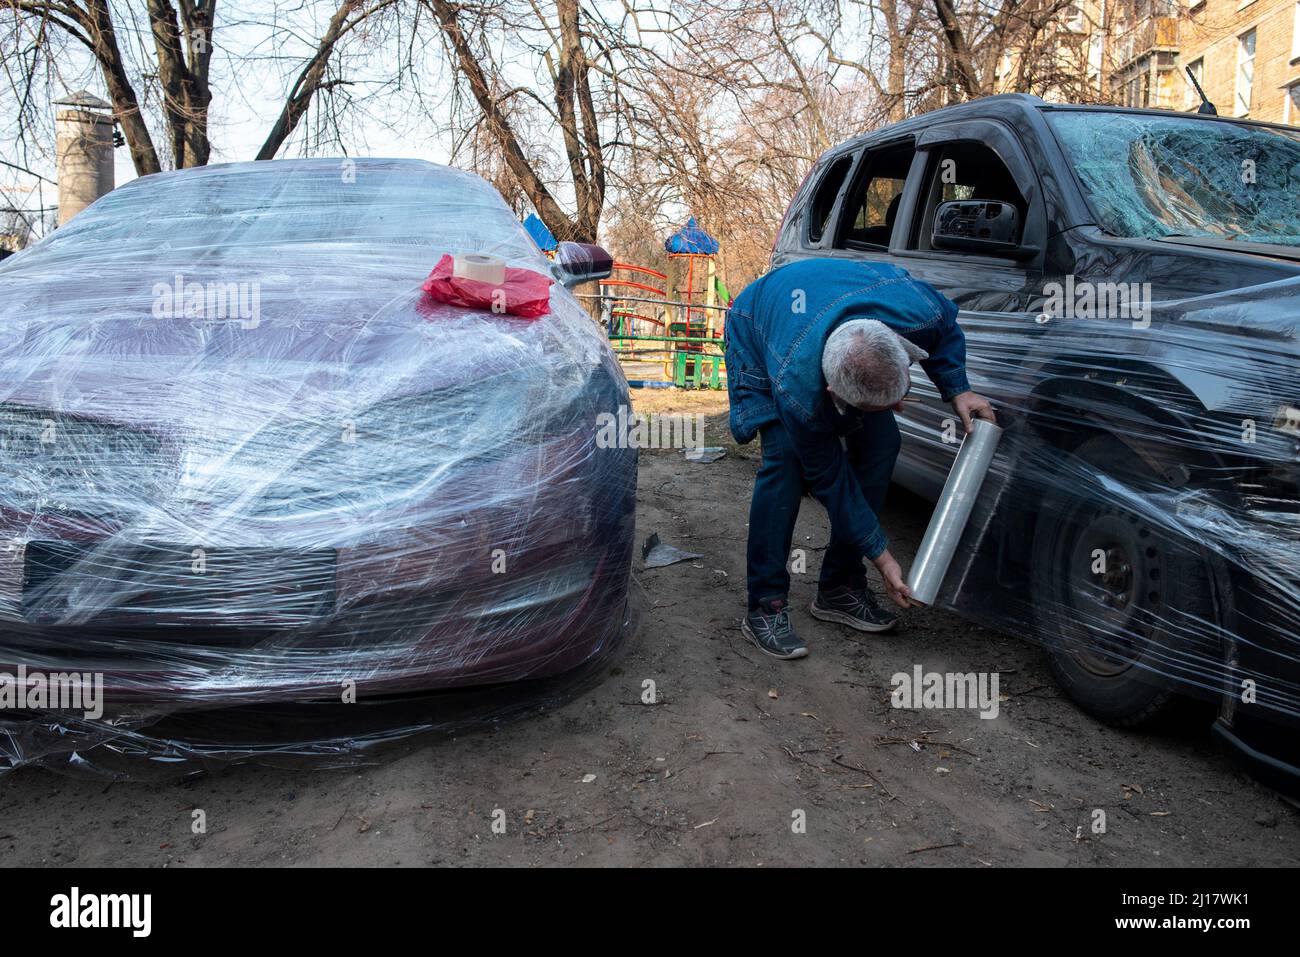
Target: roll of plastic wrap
[
  {"x": 952, "y": 512},
  {"x": 479, "y": 267}
]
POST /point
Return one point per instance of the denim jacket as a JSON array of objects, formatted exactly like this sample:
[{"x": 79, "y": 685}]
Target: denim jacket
[{"x": 776, "y": 331}]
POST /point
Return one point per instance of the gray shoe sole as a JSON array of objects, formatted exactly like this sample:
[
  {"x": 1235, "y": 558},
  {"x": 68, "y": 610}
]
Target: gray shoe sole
[
  {"x": 749, "y": 633},
  {"x": 844, "y": 618}
]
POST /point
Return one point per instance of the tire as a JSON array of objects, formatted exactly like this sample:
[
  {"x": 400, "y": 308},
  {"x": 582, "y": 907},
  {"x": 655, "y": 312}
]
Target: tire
[{"x": 1115, "y": 638}]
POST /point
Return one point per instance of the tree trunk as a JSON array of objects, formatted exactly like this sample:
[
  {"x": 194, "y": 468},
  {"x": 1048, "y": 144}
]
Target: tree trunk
[
  {"x": 103, "y": 44},
  {"x": 308, "y": 82},
  {"x": 548, "y": 210}
]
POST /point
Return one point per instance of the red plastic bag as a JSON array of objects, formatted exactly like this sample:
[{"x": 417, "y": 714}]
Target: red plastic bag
[{"x": 524, "y": 293}]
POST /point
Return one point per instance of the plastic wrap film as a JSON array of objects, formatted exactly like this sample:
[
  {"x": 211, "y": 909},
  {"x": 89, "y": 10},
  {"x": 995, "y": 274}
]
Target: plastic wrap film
[
  {"x": 952, "y": 512},
  {"x": 250, "y": 465},
  {"x": 1141, "y": 517}
]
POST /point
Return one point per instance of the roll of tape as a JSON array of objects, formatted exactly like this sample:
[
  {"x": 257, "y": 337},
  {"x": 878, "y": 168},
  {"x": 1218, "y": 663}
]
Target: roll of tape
[{"x": 479, "y": 267}]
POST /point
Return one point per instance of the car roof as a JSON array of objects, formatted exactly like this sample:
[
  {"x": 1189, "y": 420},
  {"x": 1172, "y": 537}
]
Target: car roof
[
  {"x": 1167, "y": 114},
  {"x": 1010, "y": 104}
]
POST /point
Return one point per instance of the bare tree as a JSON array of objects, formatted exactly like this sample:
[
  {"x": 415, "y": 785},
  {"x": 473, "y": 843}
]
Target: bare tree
[
  {"x": 562, "y": 47},
  {"x": 176, "y": 40},
  {"x": 981, "y": 38}
]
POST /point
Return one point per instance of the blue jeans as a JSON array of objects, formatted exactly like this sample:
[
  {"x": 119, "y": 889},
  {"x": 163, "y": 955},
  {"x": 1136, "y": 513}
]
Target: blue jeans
[{"x": 871, "y": 443}]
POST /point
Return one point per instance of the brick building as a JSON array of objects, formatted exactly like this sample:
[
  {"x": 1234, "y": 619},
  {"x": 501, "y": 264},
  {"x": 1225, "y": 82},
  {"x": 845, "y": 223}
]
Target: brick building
[{"x": 1245, "y": 53}]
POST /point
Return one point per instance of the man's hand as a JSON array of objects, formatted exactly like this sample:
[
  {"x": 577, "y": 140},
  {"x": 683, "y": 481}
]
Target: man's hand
[
  {"x": 893, "y": 575},
  {"x": 971, "y": 406}
]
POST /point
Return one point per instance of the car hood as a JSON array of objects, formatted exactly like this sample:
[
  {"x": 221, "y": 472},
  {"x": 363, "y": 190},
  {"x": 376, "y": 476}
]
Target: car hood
[
  {"x": 325, "y": 351},
  {"x": 1266, "y": 311}
]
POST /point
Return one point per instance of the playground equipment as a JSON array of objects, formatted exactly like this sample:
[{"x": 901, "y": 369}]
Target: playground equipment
[
  {"x": 648, "y": 333},
  {"x": 540, "y": 234},
  {"x": 672, "y": 319},
  {"x": 691, "y": 253}
]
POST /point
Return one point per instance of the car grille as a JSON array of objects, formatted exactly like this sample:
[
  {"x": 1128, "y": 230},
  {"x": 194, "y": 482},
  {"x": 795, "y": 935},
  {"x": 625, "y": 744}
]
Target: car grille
[
  {"x": 156, "y": 583},
  {"x": 61, "y": 464}
]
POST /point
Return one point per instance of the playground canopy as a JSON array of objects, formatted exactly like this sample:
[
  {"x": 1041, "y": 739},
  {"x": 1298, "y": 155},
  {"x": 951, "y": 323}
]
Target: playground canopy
[{"x": 690, "y": 240}]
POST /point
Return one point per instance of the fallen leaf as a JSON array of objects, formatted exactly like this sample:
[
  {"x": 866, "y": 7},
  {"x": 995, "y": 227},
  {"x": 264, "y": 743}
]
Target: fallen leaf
[
  {"x": 588, "y": 778},
  {"x": 772, "y": 693}
]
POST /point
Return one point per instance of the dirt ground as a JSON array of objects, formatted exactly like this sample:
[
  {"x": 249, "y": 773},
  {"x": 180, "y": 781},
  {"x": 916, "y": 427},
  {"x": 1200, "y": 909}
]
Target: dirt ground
[{"x": 738, "y": 751}]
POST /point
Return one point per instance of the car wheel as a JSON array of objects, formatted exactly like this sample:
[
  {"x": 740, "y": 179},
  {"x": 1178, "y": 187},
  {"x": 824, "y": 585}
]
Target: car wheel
[{"x": 1114, "y": 592}]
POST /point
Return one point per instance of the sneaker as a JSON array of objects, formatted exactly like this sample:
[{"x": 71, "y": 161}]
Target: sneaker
[
  {"x": 768, "y": 626},
  {"x": 855, "y": 607}
]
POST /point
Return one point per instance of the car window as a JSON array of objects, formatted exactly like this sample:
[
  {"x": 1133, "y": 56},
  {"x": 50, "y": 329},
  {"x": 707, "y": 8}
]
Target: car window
[
  {"x": 1154, "y": 176},
  {"x": 869, "y": 212},
  {"x": 963, "y": 171},
  {"x": 824, "y": 198}
]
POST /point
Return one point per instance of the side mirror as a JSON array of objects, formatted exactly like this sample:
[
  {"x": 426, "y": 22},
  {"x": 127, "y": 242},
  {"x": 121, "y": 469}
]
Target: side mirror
[
  {"x": 987, "y": 226},
  {"x": 582, "y": 262}
]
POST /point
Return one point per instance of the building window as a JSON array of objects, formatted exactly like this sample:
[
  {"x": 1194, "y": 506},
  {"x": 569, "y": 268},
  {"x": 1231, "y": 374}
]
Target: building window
[
  {"x": 1295, "y": 34},
  {"x": 1197, "y": 70},
  {"x": 1136, "y": 85},
  {"x": 1245, "y": 71},
  {"x": 1291, "y": 108}
]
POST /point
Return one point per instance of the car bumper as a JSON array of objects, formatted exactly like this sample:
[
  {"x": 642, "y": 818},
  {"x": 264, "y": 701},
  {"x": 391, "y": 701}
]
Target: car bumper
[
  {"x": 418, "y": 604},
  {"x": 1276, "y": 772}
]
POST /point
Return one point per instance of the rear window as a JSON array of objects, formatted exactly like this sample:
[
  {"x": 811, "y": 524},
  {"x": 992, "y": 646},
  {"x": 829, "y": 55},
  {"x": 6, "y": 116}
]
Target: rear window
[{"x": 871, "y": 209}]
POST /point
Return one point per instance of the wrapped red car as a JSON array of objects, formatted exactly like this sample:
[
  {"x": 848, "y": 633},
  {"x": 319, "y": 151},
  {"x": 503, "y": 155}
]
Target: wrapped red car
[{"x": 247, "y": 459}]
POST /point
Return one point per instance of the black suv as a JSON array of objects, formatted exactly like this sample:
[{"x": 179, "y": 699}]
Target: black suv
[{"x": 1129, "y": 284}]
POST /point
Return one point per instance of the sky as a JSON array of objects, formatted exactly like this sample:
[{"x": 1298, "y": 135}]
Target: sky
[{"x": 249, "y": 88}]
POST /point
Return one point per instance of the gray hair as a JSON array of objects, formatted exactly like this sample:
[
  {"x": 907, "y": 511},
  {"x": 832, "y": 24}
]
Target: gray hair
[{"x": 865, "y": 363}]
